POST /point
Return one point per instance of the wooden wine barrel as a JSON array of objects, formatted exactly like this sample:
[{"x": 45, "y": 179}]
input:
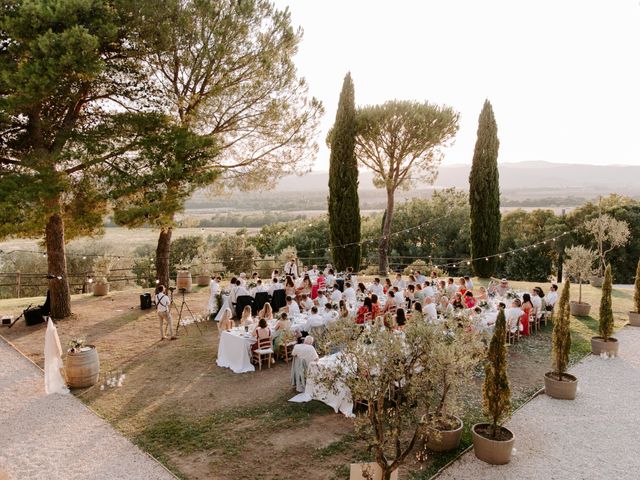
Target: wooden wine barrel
[
  {"x": 82, "y": 368},
  {"x": 183, "y": 280},
  {"x": 203, "y": 280}
]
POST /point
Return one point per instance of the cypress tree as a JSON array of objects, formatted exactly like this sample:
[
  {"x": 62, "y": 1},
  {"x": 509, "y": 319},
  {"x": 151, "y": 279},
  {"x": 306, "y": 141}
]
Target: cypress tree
[
  {"x": 636, "y": 293},
  {"x": 344, "y": 207},
  {"x": 561, "y": 338},
  {"x": 484, "y": 195},
  {"x": 605, "y": 327},
  {"x": 496, "y": 393}
]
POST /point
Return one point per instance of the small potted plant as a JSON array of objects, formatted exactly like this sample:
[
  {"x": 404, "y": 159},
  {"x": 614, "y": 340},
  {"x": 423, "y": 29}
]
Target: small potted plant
[
  {"x": 492, "y": 442},
  {"x": 634, "y": 317},
  {"x": 101, "y": 271},
  {"x": 558, "y": 383},
  {"x": 604, "y": 343},
  {"x": 608, "y": 234},
  {"x": 82, "y": 364},
  {"x": 579, "y": 265}
]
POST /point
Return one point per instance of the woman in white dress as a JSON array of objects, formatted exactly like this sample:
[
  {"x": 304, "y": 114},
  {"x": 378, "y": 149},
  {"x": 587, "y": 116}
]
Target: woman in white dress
[{"x": 214, "y": 289}]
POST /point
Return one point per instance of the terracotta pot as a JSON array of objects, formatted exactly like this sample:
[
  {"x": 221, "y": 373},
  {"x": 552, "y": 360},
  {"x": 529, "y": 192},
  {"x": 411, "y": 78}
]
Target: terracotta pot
[
  {"x": 82, "y": 368},
  {"x": 596, "y": 281},
  {"x": 367, "y": 471},
  {"x": 580, "y": 309},
  {"x": 493, "y": 452},
  {"x": 203, "y": 280},
  {"x": 101, "y": 289},
  {"x": 634, "y": 319},
  {"x": 446, "y": 440},
  {"x": 183, "y": 280},
  {"x": 599, "y": 346},
  {"x": 562, "y": 390}
]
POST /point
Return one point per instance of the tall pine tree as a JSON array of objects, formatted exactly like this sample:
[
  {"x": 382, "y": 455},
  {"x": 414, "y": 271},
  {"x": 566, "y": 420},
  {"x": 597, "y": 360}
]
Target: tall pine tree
[
  {"x": 344, "y": 207},
  {"x": 484, "y": 195}
]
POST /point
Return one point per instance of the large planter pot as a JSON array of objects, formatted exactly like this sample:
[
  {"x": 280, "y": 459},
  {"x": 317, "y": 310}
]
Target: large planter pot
[
  {"x": 203, "y": 280},
  {"x": 596, "y": 281},
  {"x": 183, "y": 280},
  {"x": 580, "y": 309},
  {"x": 82, "y": 368},
  {"x": 564, "y": 389},
  {"x": 493, "y": 452},
  {"x": 599, "y": 346},
  {"x": 446, "y": 440},
  {"x": 101, "y": 289},
  {"x": 634, "y": 319},
  {"x": 368, "y": 471}
]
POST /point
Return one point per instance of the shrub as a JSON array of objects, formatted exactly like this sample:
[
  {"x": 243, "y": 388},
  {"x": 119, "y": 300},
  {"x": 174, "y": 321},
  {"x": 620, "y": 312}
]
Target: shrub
[
  {"x": 561, "y": 339},
  {"x": 605, "y": 327},
  {"x": 496, "y": 393}
]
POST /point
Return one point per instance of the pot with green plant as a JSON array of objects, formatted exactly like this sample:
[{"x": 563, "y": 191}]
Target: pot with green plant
[
  {"x": 634, "y": 317},
  {"x": 453, "y": 360},
  {"x": 604, "y": 343},
  {"x": 101, "y": 270},
  {"x": 558, "y": 383},
  {"x": 608, "y": 234},
  {"x": 492, "y": 442},
  {"x": 579, "y": 265}
]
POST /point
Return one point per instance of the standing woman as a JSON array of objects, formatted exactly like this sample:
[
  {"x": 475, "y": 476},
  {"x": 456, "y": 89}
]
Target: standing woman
[{"x": 527, "y": 308}]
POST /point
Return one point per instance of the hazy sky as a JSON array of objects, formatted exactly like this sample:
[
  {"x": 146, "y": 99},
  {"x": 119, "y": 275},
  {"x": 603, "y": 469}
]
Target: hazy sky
[{"x": 563, "y": 76}]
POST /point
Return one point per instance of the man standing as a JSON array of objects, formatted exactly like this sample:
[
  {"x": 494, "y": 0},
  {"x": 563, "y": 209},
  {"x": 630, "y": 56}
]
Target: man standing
[
  {"x": 163, "y": 303},
  {"x": 291, "y": 268}
]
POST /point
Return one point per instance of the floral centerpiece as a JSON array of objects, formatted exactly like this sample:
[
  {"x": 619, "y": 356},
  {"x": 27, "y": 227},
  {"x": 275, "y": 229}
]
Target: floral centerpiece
[{"x": 76, "y": 344}]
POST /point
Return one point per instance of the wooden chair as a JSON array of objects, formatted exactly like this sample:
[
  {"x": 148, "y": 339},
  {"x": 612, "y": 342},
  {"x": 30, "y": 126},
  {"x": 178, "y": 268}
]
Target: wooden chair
[
  {"x": 513, "y": 336},
  {"x": 264, "y": 350},
  {"x": 286, "y": 346},
  {"x": 534, "y": 321},
  {"x": 368, "y": 317}
]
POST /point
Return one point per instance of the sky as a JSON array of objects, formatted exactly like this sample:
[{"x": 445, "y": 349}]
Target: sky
[{"x": 563, "y": 76}]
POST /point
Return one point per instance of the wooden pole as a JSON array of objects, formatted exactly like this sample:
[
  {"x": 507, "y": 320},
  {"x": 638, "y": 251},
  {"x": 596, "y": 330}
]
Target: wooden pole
[{"x": 18, "y": 284}]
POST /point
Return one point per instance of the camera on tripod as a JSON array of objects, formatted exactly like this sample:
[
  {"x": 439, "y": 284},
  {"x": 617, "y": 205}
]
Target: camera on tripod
[{"x": 171, "y": 289}]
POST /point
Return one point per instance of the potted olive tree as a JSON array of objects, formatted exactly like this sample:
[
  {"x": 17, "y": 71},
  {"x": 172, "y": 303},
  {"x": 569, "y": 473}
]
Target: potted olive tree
[
  {"x": 608, "y": 234},
  {"x": 604, "y": 342},
  {"x": 579, "y": 265},
  {"x": 634, "y": 317},
  {"x": 101, "y": 271},
  {"x": 558, "y": 383},
  {"x": 453, "y": 359},
  {"x": 492, "y": 442}
]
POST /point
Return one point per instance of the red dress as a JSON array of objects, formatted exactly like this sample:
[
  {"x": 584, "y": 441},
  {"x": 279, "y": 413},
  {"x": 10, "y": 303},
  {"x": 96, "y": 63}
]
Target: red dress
[
  {"x": 362, "y": 311},
  {"x": 524, "y": 319}
]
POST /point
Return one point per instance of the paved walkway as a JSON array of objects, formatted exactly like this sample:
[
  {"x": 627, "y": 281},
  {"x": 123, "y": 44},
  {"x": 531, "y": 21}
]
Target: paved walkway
[
  {"x": 593, "y": 437},
  {"x": 56, "y": 437}
]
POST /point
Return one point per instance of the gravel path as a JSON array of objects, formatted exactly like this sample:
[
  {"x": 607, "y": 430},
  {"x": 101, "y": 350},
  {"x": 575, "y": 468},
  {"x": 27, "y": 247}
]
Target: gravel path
[
  {"x": 56, "y": 436},
  {"x": 594, "y": 436}
]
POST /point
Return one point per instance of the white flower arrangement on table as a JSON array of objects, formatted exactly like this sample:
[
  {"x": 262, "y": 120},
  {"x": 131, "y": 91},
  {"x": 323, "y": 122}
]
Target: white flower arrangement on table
[
  {"x": 483, "y": 304},
  {"x": 512, "y": 294},
  {"x": 76, "y": 344},
  {"x": 251, "y": 285}
]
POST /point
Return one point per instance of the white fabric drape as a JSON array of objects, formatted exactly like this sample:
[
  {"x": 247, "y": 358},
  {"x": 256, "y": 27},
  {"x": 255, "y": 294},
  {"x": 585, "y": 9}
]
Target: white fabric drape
[{"x": 53, "y": 380}]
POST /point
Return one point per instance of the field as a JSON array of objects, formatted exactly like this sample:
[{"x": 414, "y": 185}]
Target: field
[{"x": 205, "y": 422}]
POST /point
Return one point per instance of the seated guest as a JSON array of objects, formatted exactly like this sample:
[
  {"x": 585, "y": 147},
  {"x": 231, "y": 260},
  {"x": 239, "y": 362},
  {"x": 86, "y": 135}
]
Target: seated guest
[
  {"x": 482, "y": 294},
  {"x": 420, "y": 278},
  {"x": 376, "y": 287},
  {"x": 428, "y": 290},
  {"x": 469, "y": 300},
  {"x": 536, "y": 299},
  {"x": 275, "y": 273},
  {"x": 399, "y": 282},
  {"x": 241, "y": 290},
  {"x": 391, "y": 301},
  {"x": 275, "y": 285},
  {"x": 305, "y": 302},
  {"x": 417, "y": 315},
  {"x": 513, "y": 315},
  {"x": 502, "y": 288},
  {"x": 321, "y": 299},
  {"x": 552, "y": 297},
  {"x": 401, "y": 319},
  {"x": 468, "y": 283},
  {"x": 409, "y": 293},
  {"x": 329, "y": 315},
  {"x": 399, "y": 298},
  {"x": 351, "y": 275},
  {"x": 457, "y": 302},
  {"x": 444, "y": 307},
  {"x": 306, "y": 351},
  {"x": 375, "y": 306},
  {"x": 349, "y": 295},
  {"x": 442, "y": 287},
  {"x": 314, "y": 320},
  {"x": 419, "y": 295},
  {"x": 430, "y": 310},
  {"x": 290, "y": 287},
  {"x": 292, "y": 307},
  {"x": 246, "y": 320},
  {"x": 306, "y": 287},
  {"x": 226, "y": 322},
  {"x": 387, "y": 285},
  {"x": 262, "y": 331},
  {"x": 343, "y": 310},
  {"x": 365, "y": 309},
  {"x": 259, "y": 288},
  {"x": 362, "y": 290},
  {"x": 330, "y": 279},
  {"x": 462, "y": 286},
  {"x": 282, "y": 326},
  {"x": 266, "y": 312},
  {"x": 336, "y": 295},
  {"x": 452, "y": 288},
  {"x": 411, "y": 281}
]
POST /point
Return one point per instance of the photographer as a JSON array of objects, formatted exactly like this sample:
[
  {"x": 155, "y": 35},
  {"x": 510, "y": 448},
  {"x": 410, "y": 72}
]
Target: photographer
[{"x": 163, "y": 303}]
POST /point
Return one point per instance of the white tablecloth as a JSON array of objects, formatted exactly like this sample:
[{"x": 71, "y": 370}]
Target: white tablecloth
[
  {"x": 225, "y": 305},
  {"x": 234, "y": 351},
  {"x": 339, "y": 399}
]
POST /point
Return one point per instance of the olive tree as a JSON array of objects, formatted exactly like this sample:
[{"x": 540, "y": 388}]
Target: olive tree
[{"x": 609, "y": 234}]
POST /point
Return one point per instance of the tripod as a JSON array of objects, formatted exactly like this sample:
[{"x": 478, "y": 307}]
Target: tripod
[{"x": 180, "y": 310}]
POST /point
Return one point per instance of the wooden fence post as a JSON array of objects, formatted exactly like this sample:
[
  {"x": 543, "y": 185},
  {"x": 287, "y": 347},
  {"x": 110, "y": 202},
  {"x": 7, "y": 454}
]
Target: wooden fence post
[{"x": 17, "y": 284}]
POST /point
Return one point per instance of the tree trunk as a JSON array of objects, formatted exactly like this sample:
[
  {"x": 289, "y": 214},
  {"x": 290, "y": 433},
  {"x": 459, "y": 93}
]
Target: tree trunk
[
  {"x": 57, "y": 266},
  {"x": 162, "y": 256},
  {"x": 383, "y": 249}
]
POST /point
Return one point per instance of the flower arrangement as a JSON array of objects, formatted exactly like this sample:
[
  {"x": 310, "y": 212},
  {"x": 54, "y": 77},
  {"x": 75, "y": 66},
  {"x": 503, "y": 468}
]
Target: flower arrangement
[
  {"x": 251, "y": 284},
  {"x": 512, "y": 294},
  {"x": 76, "y": 344},
  {"x": 484, "y": 305}
]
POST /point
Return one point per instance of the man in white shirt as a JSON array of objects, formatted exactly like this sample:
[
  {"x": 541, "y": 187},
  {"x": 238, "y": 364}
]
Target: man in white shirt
[
  {"x": 468, "y": 283},
  {"x": 306, "y": 351},
  {"x": 314, "y": 320},
  {"x": 314, "y": 273},
  {"x": 512, "y": 315},
  {"x": 291, "y": 268},
  {"x": 536, "y": 301},
  {"x": 330, "y": 279},
  {"x": 430, "y": 311},
  {"x": 329, "y": 314},
  {"x": 276, "y": 285},
  {"x": 452, "y": 288},
  {"x": 292, "y": 307},
  {"x": 429, "y": 291},
  {"x": 233, "y": 292},
  {"x": 351, "y": 276},
  {"x": 420, "y": 278},
  {"x": 349, "y": 295},
  {"x": 321, "y": 299},
  {"x": 552, "y": 297},
  {"x": 399, "y": 299},
  {"x": 306, "y": 303},
  {"x": 336, "y": 296},
  {"x": 399, "y": 282},
  {"x": 376, "y": 288},
  {"x": 163, "y": 307},
  {"x": 259, "y": 288},
  {"x": 241, "y": 290}
]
